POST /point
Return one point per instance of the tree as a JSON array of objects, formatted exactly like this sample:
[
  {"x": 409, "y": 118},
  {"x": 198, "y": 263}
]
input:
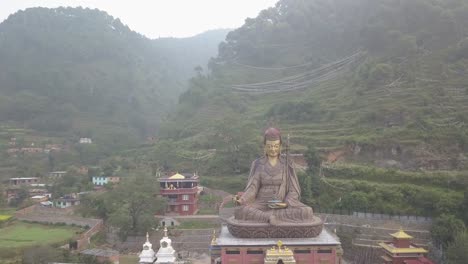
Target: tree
[
  {"x": 464, "y": 209},
  {"x": 445, "y": 228},
  {"x": 94, "y": 205},
  {"x": 21, "y": 196},
  {"x": 457, "y": 252},
  {"x": 306, "y": 188},
  {"x": 2, "y": 200},
  {"x": 313, "y": 162},
  {"x": 132, "y": 205},
  {"x": 313, "y": 159}
]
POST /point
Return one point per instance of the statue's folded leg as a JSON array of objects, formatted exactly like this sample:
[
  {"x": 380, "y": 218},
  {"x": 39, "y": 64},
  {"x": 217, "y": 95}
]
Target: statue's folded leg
[
  {"x": 252, "y": 213},
  {"x": 294, "y": 214}
]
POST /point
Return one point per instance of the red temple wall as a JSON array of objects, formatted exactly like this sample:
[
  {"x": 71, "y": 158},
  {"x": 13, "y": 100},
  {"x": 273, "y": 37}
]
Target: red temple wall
[{"x": 301, "y": 258}]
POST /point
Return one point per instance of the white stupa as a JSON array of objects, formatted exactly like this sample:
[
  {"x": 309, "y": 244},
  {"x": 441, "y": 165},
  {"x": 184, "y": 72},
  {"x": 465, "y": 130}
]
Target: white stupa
[
  {"x": 147, "y": 255},
  {"x": 166, "y": 254}
]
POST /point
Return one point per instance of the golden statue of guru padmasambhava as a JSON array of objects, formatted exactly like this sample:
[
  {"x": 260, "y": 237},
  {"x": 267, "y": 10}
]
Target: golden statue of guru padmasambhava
[{"x": 272, "y": 198}]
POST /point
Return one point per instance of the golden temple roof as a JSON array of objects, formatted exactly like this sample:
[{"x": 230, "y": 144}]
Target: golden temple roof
[
  {"x": 394, "y": 250},
  {"x": 401, "y": 235},
  {"x": 177, "y": 176}
]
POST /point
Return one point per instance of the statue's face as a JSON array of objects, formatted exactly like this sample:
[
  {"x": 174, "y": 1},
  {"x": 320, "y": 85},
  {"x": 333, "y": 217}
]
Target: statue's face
[{"x": 272, "y": 148}]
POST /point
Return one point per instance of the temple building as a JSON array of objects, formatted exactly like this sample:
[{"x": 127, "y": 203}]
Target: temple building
[
  {"x": 182, "y": 192},
  {"x": 401, "y": 251},
  {"x": 322, "y": 249}
]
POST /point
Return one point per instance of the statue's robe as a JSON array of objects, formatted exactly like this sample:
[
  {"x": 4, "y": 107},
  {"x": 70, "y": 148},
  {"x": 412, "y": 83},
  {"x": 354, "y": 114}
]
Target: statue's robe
[{"x": 267, "y": 182}]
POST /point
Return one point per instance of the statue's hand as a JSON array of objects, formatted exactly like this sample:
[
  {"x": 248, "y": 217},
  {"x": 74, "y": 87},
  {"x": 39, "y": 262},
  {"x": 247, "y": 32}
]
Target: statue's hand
[
  {"x": 238, "y": 200},
  {"x": 277, "y": 205}
]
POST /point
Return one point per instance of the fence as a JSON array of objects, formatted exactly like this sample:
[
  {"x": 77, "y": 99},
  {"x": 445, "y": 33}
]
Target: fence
[{"x": 376, "y": 216}]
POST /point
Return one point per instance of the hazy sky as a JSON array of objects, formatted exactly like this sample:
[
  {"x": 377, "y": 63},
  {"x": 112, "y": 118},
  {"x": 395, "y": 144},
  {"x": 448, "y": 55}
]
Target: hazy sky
[{"x": 160, "y": 18}]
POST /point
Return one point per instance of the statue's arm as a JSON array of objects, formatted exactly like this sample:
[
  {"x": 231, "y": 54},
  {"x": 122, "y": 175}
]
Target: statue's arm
[
  {"x": 253, "y": 185},
  {"x": 294, "y": 191}
]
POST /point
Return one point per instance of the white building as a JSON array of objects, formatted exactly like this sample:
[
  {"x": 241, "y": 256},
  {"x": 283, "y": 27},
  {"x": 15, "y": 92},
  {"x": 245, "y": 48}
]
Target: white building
[
  {"x": 57, "y": 174},
  {"x": 85, "y": 141}
]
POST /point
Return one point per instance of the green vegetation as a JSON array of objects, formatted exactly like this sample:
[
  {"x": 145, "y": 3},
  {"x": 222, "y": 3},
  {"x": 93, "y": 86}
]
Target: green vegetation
[
  {"x": 230, "y": 184},
  {"x": 396, "y": 110},
  {"x": 196, "y": 224},
  {"x": 129, "y": 206},
  {"x": 5, "y": 217},
  {"x": 456, "y": 251},
  {"x": 25, "y": 234},
  {"x": 445, "y": 229},
  {"x": 385, "y": 100},
  {"x": 455, "y": 180},
  {"x": 128, "y": 259},
  {"x": 57, "y": 83},
  {"x": 401, "y": 101}
]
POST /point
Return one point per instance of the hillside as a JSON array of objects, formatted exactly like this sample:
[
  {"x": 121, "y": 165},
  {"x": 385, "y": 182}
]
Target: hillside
[
  {"x": 74, "y": 72},
  {"x": 381, "y": 83}
]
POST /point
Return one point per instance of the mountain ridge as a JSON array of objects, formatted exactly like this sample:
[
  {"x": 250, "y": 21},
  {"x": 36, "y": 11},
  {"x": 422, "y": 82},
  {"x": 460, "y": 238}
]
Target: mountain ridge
[
  {"x": 65, "y": 70},
  {"x": 405, "y": 93}
]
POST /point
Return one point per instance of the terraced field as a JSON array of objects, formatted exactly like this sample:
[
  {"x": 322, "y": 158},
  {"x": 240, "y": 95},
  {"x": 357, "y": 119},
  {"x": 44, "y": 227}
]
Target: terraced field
[{"x": 20, "y": 234}]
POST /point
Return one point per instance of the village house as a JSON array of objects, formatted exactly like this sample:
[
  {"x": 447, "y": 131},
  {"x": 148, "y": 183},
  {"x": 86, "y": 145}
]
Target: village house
[
  {"x": 83, "y": 170},
  {"x": 39, "y": 191},
  {"x": 23, "y": 181},
  {"x": 100, "y": 180},
  {"x": 39, "y": 198},
  {"x": 113, "y": 179},
  {"x": 32, "y": 150},
  {"x": 66, "y": 201},
  {"x": 57, "y": 174},
  {"x": 85, "y": 141},
  {"x": 103, "y": 180},
  {"x": 11, "y": 194}
]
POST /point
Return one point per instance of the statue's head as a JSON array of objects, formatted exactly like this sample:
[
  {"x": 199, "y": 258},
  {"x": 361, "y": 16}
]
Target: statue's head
[{"x": 272, "y": 142}]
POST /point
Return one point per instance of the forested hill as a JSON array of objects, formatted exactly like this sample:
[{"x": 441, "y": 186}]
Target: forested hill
[
  {"x": 82, "y": 71},
  {"x": 376, "y": 81}
]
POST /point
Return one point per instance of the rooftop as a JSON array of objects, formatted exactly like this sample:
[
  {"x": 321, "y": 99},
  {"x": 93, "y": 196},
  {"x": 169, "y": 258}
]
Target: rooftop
[
  {"x": 413, "y": 249},
  {"x": 180, "y": 177},
  {"x": 401, "y": 235}
]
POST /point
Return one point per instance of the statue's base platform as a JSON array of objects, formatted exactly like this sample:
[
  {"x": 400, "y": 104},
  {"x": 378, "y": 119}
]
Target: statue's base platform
[
  {"x": 324, "y": 248},
  {"x": 244, "y": 229}
]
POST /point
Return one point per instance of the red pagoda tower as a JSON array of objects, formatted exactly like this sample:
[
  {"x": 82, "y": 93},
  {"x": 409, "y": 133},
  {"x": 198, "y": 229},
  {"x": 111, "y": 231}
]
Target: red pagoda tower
[
  {"x": 402, "y": 251},
  {"x": 181, "y": 191}
]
